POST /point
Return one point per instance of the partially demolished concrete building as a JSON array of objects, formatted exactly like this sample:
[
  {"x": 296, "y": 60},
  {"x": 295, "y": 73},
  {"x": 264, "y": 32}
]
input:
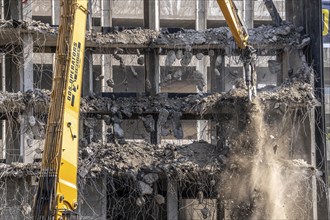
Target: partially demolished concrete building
[{"x": 167, "y": 131}]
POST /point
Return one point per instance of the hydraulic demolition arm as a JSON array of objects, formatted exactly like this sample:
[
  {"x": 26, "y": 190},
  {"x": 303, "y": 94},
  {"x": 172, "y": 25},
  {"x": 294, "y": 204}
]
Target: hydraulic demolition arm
[
  {"x": 56, "y": 196},
  {"x": 241, "y": 36}
]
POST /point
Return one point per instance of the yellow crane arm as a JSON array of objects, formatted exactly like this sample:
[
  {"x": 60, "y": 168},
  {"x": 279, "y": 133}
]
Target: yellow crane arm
[
  {"x": 56, "y": 196},
  {"x": 235, "y": 24}
]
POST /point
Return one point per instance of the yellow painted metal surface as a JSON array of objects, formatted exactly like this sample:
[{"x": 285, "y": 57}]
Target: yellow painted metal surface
[
  {"x": 56, "y": 196},
  {"x": 234, "y": 23},
  {"x": 66, "y": 189}
]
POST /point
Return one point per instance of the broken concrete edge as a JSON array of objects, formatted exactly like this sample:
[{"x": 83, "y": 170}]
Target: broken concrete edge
[
  {"x": 262, "y": 37},
  {"x": 292, "y": 94}
]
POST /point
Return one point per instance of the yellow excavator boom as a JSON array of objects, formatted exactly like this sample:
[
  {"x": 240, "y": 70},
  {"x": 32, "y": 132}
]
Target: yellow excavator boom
[
  {"x": 235, "y": 24},
  {"x": 56, "y": 196}
]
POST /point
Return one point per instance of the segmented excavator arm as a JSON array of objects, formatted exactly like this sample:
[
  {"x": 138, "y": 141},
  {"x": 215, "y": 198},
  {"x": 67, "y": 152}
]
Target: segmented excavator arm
[
  {"x": 241, "y": 36},
  {"x": 56, "y": 196}
]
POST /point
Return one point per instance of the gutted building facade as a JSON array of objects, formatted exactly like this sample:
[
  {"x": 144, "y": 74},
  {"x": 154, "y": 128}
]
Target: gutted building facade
[{"x": 167, "y": 131}]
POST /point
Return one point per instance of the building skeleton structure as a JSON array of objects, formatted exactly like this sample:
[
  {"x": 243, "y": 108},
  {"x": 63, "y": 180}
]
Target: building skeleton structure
[{"x": 147, "y": 60}]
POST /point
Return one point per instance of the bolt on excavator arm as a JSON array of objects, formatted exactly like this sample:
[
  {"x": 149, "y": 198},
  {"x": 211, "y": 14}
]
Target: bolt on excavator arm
[{"x": 56, "y": 196}]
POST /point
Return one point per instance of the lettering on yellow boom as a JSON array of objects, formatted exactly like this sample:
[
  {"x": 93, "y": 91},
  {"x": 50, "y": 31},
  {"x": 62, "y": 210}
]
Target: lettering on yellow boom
[{"x": 74, "y": 65}]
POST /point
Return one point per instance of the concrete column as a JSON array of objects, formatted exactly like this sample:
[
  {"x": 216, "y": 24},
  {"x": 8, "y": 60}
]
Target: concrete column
[
  {"x": 106, "y": 23},
  {"x": 26, "y": 83},
  {"x": 15, "y": 7},
  {"x": 88, "y": 74},
  {"x": 201, "y": 24},
  {"x": 87, "y": 89},
  {"x": 19, "y": 77},
  {"x": 27, "y": 9},
  {"x": 201, "y": 14},
  {"x": 283, "y": 58},
  {"x": 106, "y": 64},
  {"x": 56, "y": 10},
  {"x": 5, "y": 12},
  {"x": 106, "y": 15},
  {"x": 152, "y": 67},
  {"x": 218, "y": 71},
  {"x": 218, "y": 83},
  {"x": 248, "y": 12},
  {"x": 26, "y": 64},
  {"x": 3, "y": 123},
  {"x": 2, "y": 9},
  {"x": 89, "y": 25},
  {"x": 201, "y": 18},
  {"x": 151, "y": 14},
  {"x": 12, "y": 79},
  {"x": 172, "y": 200},
  {"x": 106, "y": 68}
]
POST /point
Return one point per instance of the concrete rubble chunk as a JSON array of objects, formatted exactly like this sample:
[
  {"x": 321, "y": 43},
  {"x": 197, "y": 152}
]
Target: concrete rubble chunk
[
  {"x": 176, "y": 125},
  {"x": 274, "y": 66},
  {"x": 177, "y": 75},
  {"x": 179, "y": 54},
  {"x": 135, "y": 74},
  {"x": 170, "y": 58},
  {"x": 119, "y": 132},
  {"x": 32, "y": 120},
  {"x": 140, "y": 201},
  {"x": 150, "y": 178},
  {"x": 110, "y": 83},
  {"x": 217, "y": 72},
  {"x": 159, "y": 199},
  {"x": 26, "y": 209},
  {"x": 149, "y": 123},
  {"x": 199, "y": 80},
  {"x": 163, "y": 115},
  {"x": 211, "y": 53},
  {"x": 100, "y": 77},
  {"x": 199, "y": 56},
  {"x": 218, "y": 61},
  {"x": 144, "y": 188},
  {"x": 186, "y": 59},
  {"x": 140, "y": 61}
]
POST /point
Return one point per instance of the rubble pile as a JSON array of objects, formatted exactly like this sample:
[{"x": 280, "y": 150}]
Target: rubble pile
[
  {"x": 286, "y": 34},
  {"x": 19, "y": 170},
  {"x": 290, "y": 93},
  {"x": 283, "y": 36},
  {"x": 18, "y": 102},
  {"x": 133, "y": 158}
]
